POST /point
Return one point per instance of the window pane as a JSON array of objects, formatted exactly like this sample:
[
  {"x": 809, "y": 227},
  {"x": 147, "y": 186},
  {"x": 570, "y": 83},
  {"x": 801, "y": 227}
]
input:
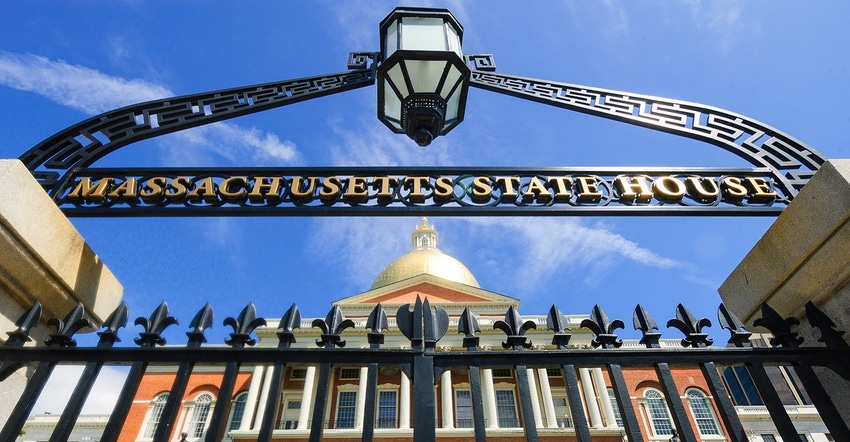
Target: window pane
[
  {"x": 345, "y": 409},
  {"x": 200, "y": 414},
  {"x": 463, "y": 409},
  {"x": 658, "y": 414},
  {"x": 506, "y": 408},
  {"x": 613, "y": 398},
  {"x": 237, "y": 411},
  {"x": 157, "y": 407},
  {"x": 387, "y": 409},
  {"x": 701, "y": 411}
]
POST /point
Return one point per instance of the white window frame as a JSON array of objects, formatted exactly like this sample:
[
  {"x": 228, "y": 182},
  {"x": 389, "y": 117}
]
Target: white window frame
[
  {"x": 699, "y": 398},
  {"x": 194, "y": 407},
  {"x": 157, "y": 406},
  {"x": 650, "y": 395},
  {"x": 378, "y": 408},
  {"x": 243, "y": 396}
]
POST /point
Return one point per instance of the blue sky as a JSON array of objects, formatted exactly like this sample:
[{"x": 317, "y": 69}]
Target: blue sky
[{"x": 781, "y": 62}]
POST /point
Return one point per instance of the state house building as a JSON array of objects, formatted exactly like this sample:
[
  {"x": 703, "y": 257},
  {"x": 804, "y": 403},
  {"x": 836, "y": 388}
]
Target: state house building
[{"x": 425, "y": 271}]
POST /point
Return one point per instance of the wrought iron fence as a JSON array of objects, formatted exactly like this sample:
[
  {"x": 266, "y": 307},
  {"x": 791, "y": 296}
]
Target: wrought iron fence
[{"x": 424, "y": 325}]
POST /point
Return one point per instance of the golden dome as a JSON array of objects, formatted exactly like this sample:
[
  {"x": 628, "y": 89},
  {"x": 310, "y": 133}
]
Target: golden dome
[{"x": 425, "y": 258}]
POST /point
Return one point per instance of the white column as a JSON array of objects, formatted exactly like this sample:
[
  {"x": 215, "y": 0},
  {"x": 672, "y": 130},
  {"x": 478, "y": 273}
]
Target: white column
[
  {"x": 535, "y": 399},
  {"x": 488, "y": 390},
  {"x": 590, "y": 398},
  {"x": 548, "y": 404},
  {"x": 251, "y": 400},
  {"x": 404, "y": 403},
  {"x": 264, "y": 396},
  {"x": 360, "y": 409},
  {"x": 602, "y": 391},
  {"x": 446, "y": 402},
  {"x": 307, "y": 398}
]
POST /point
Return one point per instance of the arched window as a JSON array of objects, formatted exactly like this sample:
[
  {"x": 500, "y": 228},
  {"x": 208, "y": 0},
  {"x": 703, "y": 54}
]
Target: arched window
[
  {"x": 237, "y": 411},
  {"x": 199, "y": 416},
  {"x": 154, "y": 415},
  {"x": 701, "y": 410},
  {"x": 659, "y": 417}
]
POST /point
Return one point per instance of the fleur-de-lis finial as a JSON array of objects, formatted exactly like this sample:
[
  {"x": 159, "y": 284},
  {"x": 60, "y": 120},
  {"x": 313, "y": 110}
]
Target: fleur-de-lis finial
[
  {"x": 515, "y": 330},
  {"x": 740, "y": 336},
  {"x": 200, "y": 323},
  {"x": 556, "y": 322},
  {"x": 643, "y": 321},
  {"x": 17, "y": 338},
  {"x": 154, "y": 326},
  {"x": 422, "y": 325},
  {"x": 829, "y": 335},
  {"x": 66, "y": 328},
  {"x": 243, "y": 326},
  {"x": 115, "y": 320},
  {"x": 603, "y": 329},
  {"x": 468, "y": 326},
  {"x": 691, "y": 327},
  {"x": 376, "y": 323},
  {"x": 333, "y": 325},
  {"x": 288, "y": 323},
  {"x": 780, "y": 327}
]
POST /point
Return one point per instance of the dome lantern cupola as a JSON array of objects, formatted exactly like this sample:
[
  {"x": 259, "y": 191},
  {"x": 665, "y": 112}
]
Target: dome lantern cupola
[{"x": 425, "y": 258}]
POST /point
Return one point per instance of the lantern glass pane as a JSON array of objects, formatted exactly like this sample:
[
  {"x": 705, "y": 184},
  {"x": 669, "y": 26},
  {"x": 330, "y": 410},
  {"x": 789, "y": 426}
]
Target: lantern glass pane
[
  {"x": 397, "y": 77},
  {"x": 451, "y": 80},
  {"x": 453, "y": 106},
  {"x": 392, "y": 104},
  {"x": 392, "y": 39},
  {"x": 453, "y": 40},
  {"x": 425, "y": 74},
  {"x": 423, "y": 34}
]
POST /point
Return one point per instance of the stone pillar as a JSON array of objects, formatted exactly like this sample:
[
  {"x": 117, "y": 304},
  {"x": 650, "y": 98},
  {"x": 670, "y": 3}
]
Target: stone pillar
[
  {"x": 590, "y": 398},
  {"x": 803, "y": 257},
  {"x": 535, "y": 399},
  {"x": 264, "y": 396},
  {"x": 548, "y": 403},
  {"x": 307, "y": 398},
  {"x": 404, "y": 403},
  {"x": 360, "y": 408},
  {"x": 488, "y": 391},
  {"x": 446, "y": 399},
  {"x": 251, "y": 400},
  {"x": 602, "y": 393}
]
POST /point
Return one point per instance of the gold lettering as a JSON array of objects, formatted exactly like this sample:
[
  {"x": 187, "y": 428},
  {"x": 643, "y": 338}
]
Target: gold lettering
[
  {"x": 178, "y": 188},
  {"x": 507, "y": 184},
  {"x": 265, "y": 189},
  {"x": 127, "y": 189},
  {"x": 633, "y": 189},
  {"x": 232, "y": 196},
  {"x": 698, "y": 189},
  {"x": 563, "y": 185},
  {"x": 416, "y": 184},
  {"x": 588, "y": 190},
  {"x": 537, "y": 191},
  {"x": 357, "y": 190},
  {"x": 444, "y": 190},
  {"x": 85, "y": 191},
  {"x": 668, "y": 189},
  {"x": 205, "y": 191},
  {"x": 153, "y": 190},
  {"x": 482, "y": 191},
  {"x": 330, "y": 189},
  {"x": 762, "y": 193},
  {"x": 300, "y": 194},
  {"x": 385, "y": 186},
  {"x": 733, "y": 190}
]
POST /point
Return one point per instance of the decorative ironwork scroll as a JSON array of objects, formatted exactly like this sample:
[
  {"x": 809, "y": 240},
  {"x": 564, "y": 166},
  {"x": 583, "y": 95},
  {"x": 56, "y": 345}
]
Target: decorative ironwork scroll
[
  {"x": 793, "y": 163},
  {"x": 84, "y": 143}
]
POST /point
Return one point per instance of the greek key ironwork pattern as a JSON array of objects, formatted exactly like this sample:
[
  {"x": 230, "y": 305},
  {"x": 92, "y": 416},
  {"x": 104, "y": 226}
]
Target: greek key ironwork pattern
[
  {"x": 84, "y": 143},
  {"x": 793, "y": 163}
]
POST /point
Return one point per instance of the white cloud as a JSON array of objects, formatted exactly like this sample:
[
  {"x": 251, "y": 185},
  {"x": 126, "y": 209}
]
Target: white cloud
[
  {"x": 93, "y": 92},
  {"x": 64, "y": 379}
]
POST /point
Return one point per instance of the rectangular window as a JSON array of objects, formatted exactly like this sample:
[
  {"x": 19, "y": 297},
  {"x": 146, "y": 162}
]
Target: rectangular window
[
  {"x": 291, "y": 412},
  {"x": 349, "y": 373},
  {"x": 767, "y": 438},
  {"x": 613, "y": 398},
  {"x": 298, "y": 373},
  {"x": 387, "y": 406},
  {"x": 463, "y": 409},
  {"x": 562, "y": 412},
  {"x": 502, "y": 373},
  {"x": 506, "y": 409},
  {"x": 345, "y": 409},
  {"x": 553, "y": 372}
]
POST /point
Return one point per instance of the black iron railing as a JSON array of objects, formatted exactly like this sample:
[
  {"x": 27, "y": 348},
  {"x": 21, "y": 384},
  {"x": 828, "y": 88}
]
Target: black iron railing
[{"x": 424, "y": 326}]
